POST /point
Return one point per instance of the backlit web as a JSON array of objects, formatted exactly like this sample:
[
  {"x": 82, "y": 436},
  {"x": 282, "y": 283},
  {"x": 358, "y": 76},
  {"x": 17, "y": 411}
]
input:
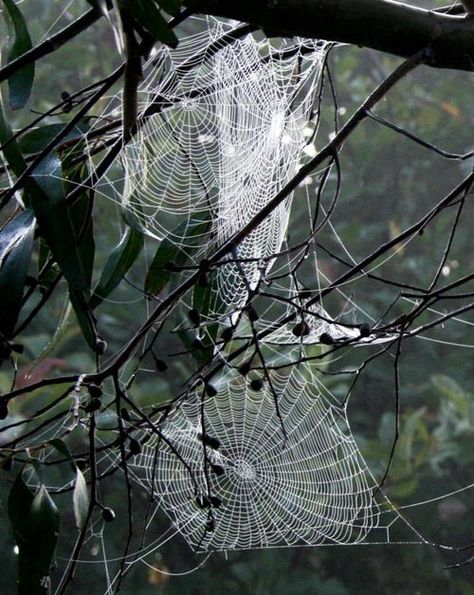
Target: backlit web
[
  {"x": 253, "y": 488},
  {"x": 221, "y": 134}
]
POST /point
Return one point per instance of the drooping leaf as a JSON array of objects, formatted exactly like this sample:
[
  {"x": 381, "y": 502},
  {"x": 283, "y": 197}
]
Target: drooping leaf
[
  {"x": 16, "y": 246},
  {"x": 19, "y": 505},
  {"x": 171, "y": 6},
  {"x": 119, "y": 262},
  {"x": 35, "y": 523},
  {"x": 10, "y": 149},
  {"x": 151, "y": 19},
  {"x": 56, "y": 228},
  {"x": 20, "y": 83},
  {"x": 80, "y": 499},
  {"x": 38, "y": 138},
  {"x": 62, "y": 448},
  {"x": 80, "y": 212},
  {"x": 170, "y": 253}
]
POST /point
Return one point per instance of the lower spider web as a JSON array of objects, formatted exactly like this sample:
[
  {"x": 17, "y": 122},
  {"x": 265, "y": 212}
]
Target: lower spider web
[{"x": 251, "y": 488}]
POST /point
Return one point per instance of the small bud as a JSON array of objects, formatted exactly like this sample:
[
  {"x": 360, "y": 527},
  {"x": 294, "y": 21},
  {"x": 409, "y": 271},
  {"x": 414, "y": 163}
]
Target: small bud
[
  {"x": 194, "y": 317},
  {"x": 215, "y": 501},
  {"x": 326, "y": 339},
  {"x": 135, "y": 447},
  {"x": 94, "y": 405},
  {"x": 204, "y": 265},
  {"x": 100, "y": 346},
  {"x": 256, "y": 384},
  {"x": 218, "y": 469},
  {"x": 211, "y": 390},
  {"x": 301, "y": 329},
  {"x": 94, "y": 391},
  {"x": 108, "y": 515},
  {"x": 227, "y": 334}
]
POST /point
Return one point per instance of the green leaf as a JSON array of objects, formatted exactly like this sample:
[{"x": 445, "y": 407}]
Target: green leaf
[
  {"x": 119, "y": 262},
  {"x": 35, "y": 524},
  {"x": 20, "y": 83},
  {"x": 80, "y": 499},
  {"x": 451, "y": 390},
  {"x": 63, "y": 449},
  {"x": 170, "y": 252},
  {"x": 151, "y": 19},
  {"x": 56, "y": 228},
  {"x": 19, "y": 505},
  {"x": 11, "y": 150},
  {"x": 38, "y": 138},
  {"x": 16, "y": 246},
  {"x": 171, "y": 6}
]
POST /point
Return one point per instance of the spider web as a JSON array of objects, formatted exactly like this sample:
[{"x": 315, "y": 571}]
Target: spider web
[
  {"x": 241, "y": 485},
  {"x": 220, "y": 134}
]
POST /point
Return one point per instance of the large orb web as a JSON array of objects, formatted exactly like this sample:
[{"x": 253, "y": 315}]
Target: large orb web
[{"x": 255, "y": 490}]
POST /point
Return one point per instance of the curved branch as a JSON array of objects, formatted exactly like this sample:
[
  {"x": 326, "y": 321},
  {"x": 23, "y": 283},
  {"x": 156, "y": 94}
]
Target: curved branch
[{"x": 384, "y": 25}]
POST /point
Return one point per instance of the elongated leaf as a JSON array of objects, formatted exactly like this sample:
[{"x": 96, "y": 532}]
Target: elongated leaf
[
  {"x": 81, "y": 212},
  {"x": 80, "y": 499},
  {"x": 11, "y": 150},
  {"x": 52, "y": 213},
  {"x": 19, "y": 505},
  {"x": 62, "y": 448},
  {"x": 171, "y": 6},
  {"x": 169, "y": 252},
  {"x": 151, "y": 19},
  {"x": 21, "y": 82},
  {"x": 35, "y": 523},
  {"x": 38, "y": 138},
  {"x": 119, "y": 262},
  {"x": 16, "y": 246}
]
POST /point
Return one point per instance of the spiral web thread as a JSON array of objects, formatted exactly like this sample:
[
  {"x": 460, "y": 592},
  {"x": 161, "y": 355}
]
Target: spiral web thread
[
  {"x": 221, "y": 134},
  {"x": 312, "y": 489}
]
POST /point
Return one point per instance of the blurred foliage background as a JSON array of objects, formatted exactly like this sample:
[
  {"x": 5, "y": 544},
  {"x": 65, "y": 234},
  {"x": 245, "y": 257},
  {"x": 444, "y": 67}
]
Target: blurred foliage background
[{"x": 388, "y": 182}]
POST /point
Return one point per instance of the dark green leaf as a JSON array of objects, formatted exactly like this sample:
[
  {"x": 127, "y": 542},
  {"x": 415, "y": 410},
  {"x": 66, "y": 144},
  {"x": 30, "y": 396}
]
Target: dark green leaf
[
  {"x": 56, "y": 228},
  {"x": 80, "y": 500},
  {"x": 119, "y": 262},
  {"x": 19, "y": 505},
  {"x": 170, "y": 252},
  {"x": 35, "y": 524},
  {"x": 16, "y": 246},
  {"x": 62, "y": 448},
  {"x": 38, "y": 138},
  {"x": 11, "y": 150},
  {"x": 151, "y": 19},
  {"x": 21, "y": 82},
  {"x": 171, "y": 6}
]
